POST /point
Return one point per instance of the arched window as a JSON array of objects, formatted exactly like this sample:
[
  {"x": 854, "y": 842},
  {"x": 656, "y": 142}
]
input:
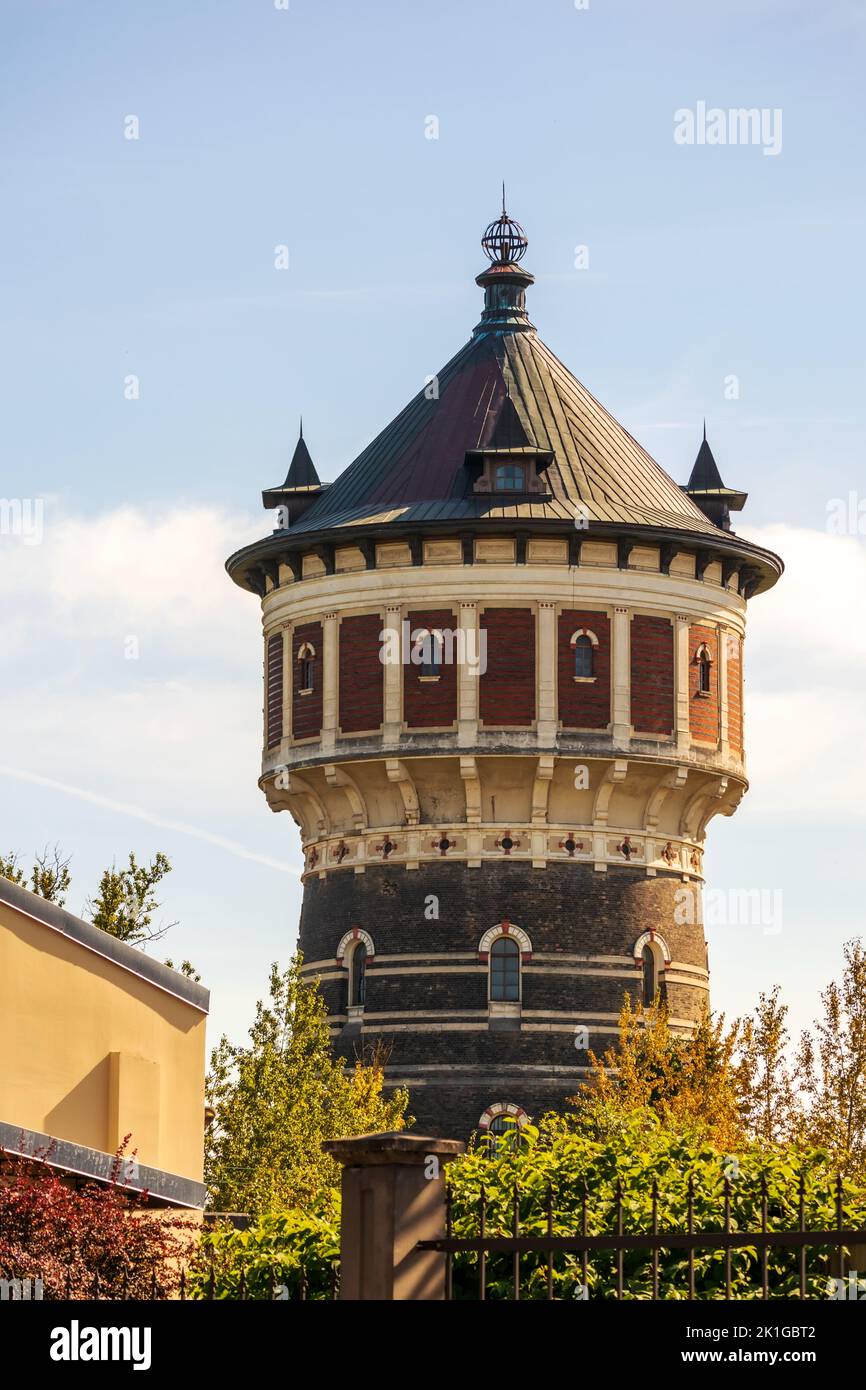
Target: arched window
[
  {"x": 654, "y": 988},
  {"x": 505, "y": 969},
  {"x": 430, "y": 645},
  {"x": 705, "y": 669},
  {"x": 509, "y": 477},
  {"x": 504, "y": 1132},
  {"x": 583, "y": 657},
  {"x": 306, "y": 668},
  {"x": 358, "y": 976},
  {"x": 649, "y": 976},
  {"x": 501, "y": 1124}
]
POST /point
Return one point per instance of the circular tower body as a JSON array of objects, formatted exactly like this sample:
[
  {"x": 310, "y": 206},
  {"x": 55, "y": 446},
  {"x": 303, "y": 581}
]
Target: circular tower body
[{"x": 503, "y": 670}]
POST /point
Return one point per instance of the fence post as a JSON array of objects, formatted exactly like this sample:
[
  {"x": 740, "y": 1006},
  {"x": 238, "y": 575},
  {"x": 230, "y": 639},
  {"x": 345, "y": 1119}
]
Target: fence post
[{"x": 393, "y": 1196}]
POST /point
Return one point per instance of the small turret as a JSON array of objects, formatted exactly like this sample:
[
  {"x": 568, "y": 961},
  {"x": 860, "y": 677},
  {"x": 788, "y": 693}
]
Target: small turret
[
  {"x": 707, "y": 491},
  {"x": 302, "y": 485}
]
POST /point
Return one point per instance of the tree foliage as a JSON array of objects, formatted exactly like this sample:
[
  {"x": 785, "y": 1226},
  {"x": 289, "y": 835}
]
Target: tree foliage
[
  {"x": 277, "y": 1099},
  {"x": 125, "y": 903},
  {"x": 49, "y": 876},
  {"x": 832, "y": 1066}
]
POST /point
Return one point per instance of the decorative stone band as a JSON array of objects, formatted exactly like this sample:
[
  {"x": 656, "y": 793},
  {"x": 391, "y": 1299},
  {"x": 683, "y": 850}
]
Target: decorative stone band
[
  {"x": 351, "y": 936},
  {"x": 505, "y": 928},
  {"x": 601, "y": 846}
]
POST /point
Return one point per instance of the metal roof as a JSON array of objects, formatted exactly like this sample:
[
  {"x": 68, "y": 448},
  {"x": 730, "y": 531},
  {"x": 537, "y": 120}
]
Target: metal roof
[{"x": 504, "y": 388}]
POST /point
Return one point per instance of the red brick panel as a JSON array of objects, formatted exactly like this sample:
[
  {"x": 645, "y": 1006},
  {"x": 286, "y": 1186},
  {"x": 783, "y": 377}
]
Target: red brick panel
[
  {"x": 735, "y": 694},
  {"x": 275, "y": 689},
  {"x": 307, "y": 709},
  {"x": 507, "y": 694},
  {"x": 361, "y": 673},
  {"x": 704, "y": 709},
  {"x": 652, "y": 675},
  {"x": 584, "y": 705},
  {"x": 431, "y": 703}
]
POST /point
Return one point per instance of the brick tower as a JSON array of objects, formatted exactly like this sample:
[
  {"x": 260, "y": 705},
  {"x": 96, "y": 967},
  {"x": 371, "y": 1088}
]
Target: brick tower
[{"x": 503, "y": 700}]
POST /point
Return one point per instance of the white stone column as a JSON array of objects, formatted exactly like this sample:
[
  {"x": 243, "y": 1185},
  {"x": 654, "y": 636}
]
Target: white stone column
[
  {"x": 724, "y": 634},
  {"x": 546, "y": 675},
  {"x": 287, "y": 684},
  {"x": 330, "y": 680},
  {"x": 621, "y": 675},
  {"x": 682, "y": 732},
  {"x": 393, "y": 692},
  {"x": 468, "y": 676}
]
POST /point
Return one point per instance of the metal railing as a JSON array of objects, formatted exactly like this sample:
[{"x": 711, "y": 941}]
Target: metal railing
[{"x": 836, "y": 1241}]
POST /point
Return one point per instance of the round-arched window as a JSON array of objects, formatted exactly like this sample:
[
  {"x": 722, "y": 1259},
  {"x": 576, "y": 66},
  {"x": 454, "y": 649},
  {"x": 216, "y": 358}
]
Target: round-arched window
[{"x": 505, "y": 969}]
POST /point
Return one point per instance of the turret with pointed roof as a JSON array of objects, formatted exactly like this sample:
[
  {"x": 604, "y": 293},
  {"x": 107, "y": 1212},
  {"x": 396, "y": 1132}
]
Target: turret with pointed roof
[{"x": 706, "y": 488}]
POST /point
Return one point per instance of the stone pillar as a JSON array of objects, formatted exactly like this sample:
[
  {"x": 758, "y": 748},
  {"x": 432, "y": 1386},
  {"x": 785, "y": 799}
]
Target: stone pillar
[
  {"x": 393, "y": 1196},
  {"x": 722, "y": 678},
  {"x": 547, "y": 674},
  {"x": 621, "y": 654},
  {"x": 288, "y": 684},
  {"x": 393, "y": 688},
  {"x": 468, "y": 676},
  {"x": 682, "y": 731},
  {"x": 330, "y": 680}
]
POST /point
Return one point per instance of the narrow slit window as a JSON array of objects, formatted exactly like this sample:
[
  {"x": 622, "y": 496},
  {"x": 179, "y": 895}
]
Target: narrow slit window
[{"x": 358, "y": 975}]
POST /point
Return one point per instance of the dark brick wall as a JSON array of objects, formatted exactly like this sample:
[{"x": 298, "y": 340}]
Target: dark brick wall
[
  {"x": 507, "y": 693},
  {"x": 566, "y": 909},
  {"x": 652, "y": 674},
  {"x": 430, "y": 703},
  {"x": 581, "y": 705},
  {"x": 275, "y": 690},
  {"x": 735, "y": 693},
  {"x": 362, "y": 675},
  {"x": 307, "y": 709},
  {"x": 703, "y": 709}
]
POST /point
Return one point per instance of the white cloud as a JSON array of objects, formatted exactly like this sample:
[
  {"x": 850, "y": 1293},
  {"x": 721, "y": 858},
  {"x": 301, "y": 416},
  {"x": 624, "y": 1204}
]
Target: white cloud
[{"x": 806, "y": 647}]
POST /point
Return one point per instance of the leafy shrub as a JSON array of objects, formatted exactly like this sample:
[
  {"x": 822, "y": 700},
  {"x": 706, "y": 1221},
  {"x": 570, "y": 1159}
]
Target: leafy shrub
[
  {"x": 609, "y": 1150},
  {"x": 282, "y": 1254}
]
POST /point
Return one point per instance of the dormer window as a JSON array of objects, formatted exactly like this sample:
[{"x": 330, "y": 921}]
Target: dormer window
[{"x": 509, "y": 477}]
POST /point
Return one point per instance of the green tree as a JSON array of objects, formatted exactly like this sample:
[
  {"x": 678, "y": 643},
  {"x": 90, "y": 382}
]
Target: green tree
[
  {"x": 770, "y": 1101},
  {"x": 49, "y": 876},
  {"x": 125, "y": 903},
  {"x": 832, "y": 1066},
  {"x": 683, "y": 1080},
  {"x": 276, "y": 1100}
]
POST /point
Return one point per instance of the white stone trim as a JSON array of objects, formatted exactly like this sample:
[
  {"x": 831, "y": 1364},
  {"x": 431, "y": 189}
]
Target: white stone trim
[
  {"x": 503, "y": 1107},
  {"x": 351, "y": 939},
  {"x": 505, "y": 928},
  {"x": 583, "y": 632},
  {"x": 651, "y": 938}
]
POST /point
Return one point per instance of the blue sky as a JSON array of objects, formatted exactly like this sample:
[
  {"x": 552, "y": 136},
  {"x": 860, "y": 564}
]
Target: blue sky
[{"x": 262, "y": 127}]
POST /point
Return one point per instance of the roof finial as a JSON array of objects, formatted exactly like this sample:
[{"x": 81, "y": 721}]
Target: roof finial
[
  {"x": 504, "y": 214},
  {"x": 301, "y": 432},
  {"x": 705, "y": 429}
]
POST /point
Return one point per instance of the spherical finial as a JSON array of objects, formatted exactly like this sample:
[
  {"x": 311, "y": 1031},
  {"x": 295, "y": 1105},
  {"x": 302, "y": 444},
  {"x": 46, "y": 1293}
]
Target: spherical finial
[{"x": 505, "y": 241}]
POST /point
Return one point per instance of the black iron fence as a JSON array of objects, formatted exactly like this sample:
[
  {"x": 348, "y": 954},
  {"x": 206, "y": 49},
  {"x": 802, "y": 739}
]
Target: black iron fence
[{"x": 821, "y": 1255}]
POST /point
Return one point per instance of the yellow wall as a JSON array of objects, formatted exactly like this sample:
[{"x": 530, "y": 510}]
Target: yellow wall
[{"x": 91, "y": 1051}]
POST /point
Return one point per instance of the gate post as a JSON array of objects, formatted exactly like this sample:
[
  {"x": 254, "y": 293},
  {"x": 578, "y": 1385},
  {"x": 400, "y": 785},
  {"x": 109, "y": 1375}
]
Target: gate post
[{"x": 393, "y": 1196}]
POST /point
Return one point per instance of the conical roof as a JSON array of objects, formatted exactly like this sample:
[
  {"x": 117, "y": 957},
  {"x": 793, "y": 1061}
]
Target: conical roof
[{"x": 504, "y": 390}]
